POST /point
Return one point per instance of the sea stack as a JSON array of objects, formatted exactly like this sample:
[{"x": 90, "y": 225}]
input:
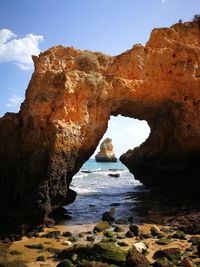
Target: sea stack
[{"x": 106, "y": 153}]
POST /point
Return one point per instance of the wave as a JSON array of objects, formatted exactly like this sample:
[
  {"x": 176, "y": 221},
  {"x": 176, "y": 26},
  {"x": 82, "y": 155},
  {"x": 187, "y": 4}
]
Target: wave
[
  {"x": 84, "y": 191},
  {"x": 90, "y": 170}
]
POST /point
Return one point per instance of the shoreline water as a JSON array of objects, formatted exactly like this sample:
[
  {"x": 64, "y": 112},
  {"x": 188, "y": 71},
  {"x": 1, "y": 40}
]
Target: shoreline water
[{"x": 97, "y": 191}]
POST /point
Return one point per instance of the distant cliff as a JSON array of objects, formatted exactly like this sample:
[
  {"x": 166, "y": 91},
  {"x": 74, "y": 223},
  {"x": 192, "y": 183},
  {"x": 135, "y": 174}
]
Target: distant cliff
[
  {"x": 106, "y": 153},
  {"x": 68, "y": 103}
]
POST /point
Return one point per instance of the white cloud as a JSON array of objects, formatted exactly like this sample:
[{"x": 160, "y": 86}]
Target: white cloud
[
  {"x": 113, "y": 123},
  {"x": 163, "y": 1},
  {"x": 14, "y": 101},
  {"x": 19, "y": 50},
  {"x": 140, "y": 131}
]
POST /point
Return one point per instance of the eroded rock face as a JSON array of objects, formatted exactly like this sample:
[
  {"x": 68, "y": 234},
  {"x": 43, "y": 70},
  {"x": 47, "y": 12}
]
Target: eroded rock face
[
  {"x": 68, "y": 103},
  {"x": 106, "y": 153}
]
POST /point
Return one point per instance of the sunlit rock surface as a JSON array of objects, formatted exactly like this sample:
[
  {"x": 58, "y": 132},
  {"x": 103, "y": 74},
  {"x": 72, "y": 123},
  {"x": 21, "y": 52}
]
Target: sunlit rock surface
[
  {"x": 106, "y": 153},
  {"x": 68, "y": 103}
]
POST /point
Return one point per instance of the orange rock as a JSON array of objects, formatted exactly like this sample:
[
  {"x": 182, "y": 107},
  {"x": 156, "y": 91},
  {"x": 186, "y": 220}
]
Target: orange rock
[
  {"x": 68, "y": 103},
  {"x": 187, "y": 263}
]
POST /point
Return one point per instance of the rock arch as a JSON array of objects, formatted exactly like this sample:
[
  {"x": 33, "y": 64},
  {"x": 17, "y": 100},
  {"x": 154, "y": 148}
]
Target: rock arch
[{"x": 68, "y": 103}]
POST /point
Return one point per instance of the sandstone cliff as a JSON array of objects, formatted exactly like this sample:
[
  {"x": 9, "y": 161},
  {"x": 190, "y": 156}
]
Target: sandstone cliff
[
  {"x": 68, "y": 103},
  {"x": 106, "y": 153}
]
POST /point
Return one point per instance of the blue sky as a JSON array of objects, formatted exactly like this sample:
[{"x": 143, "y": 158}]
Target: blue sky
[{"x": 111, "y": 26}]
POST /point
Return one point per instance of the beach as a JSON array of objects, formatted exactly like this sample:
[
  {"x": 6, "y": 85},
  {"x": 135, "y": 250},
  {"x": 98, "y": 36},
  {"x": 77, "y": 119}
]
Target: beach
[{"x": 52, "y": 246}]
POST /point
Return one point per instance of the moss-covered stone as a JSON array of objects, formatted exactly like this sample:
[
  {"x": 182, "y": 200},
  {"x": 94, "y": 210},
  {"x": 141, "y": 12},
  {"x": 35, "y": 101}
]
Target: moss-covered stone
[
  {"x": 101, "y": 226},
  {"x": 41, "y": 258},
  {"x": 15, "y": 252},
  {"x": 109, "y": 239},
  {"x": 109, "y": 253},
  {"x": 74, "y": 257},
  {"x": 65, "y": 263},
  {"x": 73, "y": 238},
  {"x": 179, "y": 235},
  {"x": 52, "y": 234},
  {"x": 81, "y": 235},
  {"x": 106, "y": 252},
  {"x": 81, "y": 251},
  {"x": 120, "y": 236},
  {"x": 35, "y": 246},
  {"x": 67, "y": 234},
  {"x": 172, "y": 254},
  {"x": 118, "y": 229},
  {"x": 162, "y": 262},
  {"x": 163, "y": 241},
  {"x": 91, "y": 238},
  {"x": 108, "y": 234}
]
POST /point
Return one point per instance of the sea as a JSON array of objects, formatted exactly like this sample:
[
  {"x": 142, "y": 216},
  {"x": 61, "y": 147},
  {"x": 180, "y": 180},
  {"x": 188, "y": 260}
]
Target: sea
[{"x": 98, "y": 192}]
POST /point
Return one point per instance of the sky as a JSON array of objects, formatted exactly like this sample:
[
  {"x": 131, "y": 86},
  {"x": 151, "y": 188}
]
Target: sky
[{"x": 28, "y": 27}]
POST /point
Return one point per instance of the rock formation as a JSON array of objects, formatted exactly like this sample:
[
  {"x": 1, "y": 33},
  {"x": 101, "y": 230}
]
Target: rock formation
[
  {"x": 106, "y": 153},
  {"x": 68, "y": 103}
]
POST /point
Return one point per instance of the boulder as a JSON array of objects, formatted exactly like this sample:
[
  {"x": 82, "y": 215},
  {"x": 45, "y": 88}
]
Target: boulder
[
  {"x": 101, "y": 226},
  {"x": 108, "y": 217},
  {"x": 179, "y": 235},
  {"x": 172, "y": 254},
  {"x": 119, "y": 229},
  {"x": 136, "y": 259},
  {"x": 134, "y": 229},
  {"x": 140, "y": 247},
  {"x": 187, "y": 263}
]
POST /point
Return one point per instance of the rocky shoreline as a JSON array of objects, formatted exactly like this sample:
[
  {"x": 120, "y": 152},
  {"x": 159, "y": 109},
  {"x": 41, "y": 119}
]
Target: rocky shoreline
[{"x": 112, "y": 242}]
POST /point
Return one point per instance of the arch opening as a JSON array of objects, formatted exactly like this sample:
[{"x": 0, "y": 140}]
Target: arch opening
[{"x": 102, "y": 185}]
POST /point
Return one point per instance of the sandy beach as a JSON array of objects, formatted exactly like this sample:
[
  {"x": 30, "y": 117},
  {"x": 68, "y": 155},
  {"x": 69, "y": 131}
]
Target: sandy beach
[{"x": 50, "y": 246}]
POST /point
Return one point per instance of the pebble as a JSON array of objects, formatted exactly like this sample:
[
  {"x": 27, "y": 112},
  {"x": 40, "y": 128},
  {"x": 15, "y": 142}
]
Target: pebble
[
  {"x": 140, "y": 246},
  {"x": 66, "y": 242}
]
